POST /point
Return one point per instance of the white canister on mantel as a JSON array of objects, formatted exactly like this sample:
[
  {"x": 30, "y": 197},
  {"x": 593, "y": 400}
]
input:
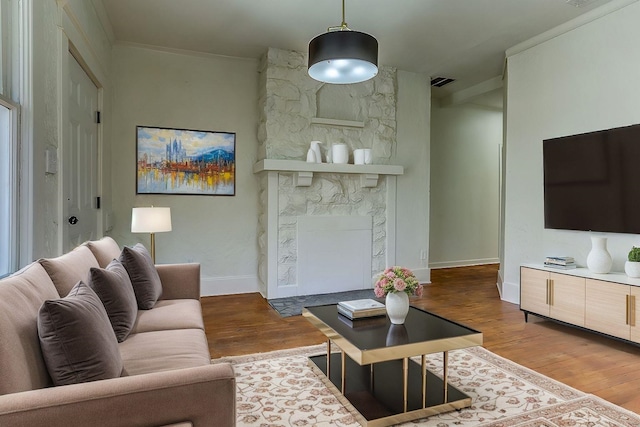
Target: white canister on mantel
[
  {"x": 340, "y": 153},
  {"x": 362, "y": 156}
]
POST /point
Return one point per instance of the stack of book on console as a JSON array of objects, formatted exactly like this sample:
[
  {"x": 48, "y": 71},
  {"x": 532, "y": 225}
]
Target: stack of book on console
[
  {"x": 561, "y": 262},
  {"x": 361, "y": 308}
]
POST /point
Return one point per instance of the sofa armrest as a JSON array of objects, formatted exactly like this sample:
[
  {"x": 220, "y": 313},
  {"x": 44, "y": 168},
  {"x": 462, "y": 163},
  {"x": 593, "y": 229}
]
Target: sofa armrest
[
  {"x": 203, "y": 396},
  {"x": 180, "y": 281}
]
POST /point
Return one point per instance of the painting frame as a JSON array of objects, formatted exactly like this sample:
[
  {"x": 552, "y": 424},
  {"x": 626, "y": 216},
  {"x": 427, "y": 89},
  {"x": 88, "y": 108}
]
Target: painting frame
[{"x": 174, "y": 161}]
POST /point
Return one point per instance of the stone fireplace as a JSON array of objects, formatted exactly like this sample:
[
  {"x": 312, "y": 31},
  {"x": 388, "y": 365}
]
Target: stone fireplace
[{"x": 324, "y": 227}]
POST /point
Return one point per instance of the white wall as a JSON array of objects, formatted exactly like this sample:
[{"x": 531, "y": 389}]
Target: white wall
[
  {"x": 413, "y": 151},
  {"x": 465, "y": 174},
  {"x": 155, "y": 88},
  {"x": 584, "y": 80},
  {"x": 201, "y": 92}
]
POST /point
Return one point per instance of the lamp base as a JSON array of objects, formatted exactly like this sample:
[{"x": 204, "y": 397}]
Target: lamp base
[{"x": 153, "y": 247}]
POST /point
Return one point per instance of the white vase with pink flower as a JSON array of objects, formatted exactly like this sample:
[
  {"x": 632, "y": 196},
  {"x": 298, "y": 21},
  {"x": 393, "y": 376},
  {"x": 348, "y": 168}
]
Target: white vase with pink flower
[
  {"x": 397, "y": 284},
  {"x": 397, "y": 305}
]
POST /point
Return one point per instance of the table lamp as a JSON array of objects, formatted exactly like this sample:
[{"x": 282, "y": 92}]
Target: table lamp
[{"x": 151, "y": 220}]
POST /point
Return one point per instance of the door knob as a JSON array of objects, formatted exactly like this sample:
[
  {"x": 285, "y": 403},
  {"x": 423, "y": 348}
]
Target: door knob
[{"x": 73, "y": 220}]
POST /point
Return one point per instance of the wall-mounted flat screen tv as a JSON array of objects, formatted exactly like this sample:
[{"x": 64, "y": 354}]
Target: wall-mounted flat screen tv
[{"x": 592, "y": 181}]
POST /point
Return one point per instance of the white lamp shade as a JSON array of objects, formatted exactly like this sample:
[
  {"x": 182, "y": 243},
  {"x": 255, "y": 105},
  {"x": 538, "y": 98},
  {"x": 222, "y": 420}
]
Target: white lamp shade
[{"x": 150, "y": 220}]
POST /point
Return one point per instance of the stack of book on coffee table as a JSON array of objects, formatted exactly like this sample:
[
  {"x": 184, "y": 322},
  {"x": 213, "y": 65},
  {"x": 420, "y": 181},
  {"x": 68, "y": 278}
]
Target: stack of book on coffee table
[{"x": 361, "y": 308}]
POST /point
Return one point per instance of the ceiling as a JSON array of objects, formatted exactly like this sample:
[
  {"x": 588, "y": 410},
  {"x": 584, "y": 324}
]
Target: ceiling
[{"x": 461, "y": 39}]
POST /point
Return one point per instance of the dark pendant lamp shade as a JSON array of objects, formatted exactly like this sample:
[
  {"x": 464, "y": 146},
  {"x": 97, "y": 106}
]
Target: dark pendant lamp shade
[{"x": 343, "y": 57}]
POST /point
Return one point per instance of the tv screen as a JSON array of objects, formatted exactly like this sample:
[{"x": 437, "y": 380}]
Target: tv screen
[{"x": 592, "y": 181}]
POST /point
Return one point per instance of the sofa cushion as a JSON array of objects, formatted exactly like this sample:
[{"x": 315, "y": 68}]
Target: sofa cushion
[
  {"x": 170, "y": 314},
  {"x": 164, "y": 350},
  {"x": 113, "y": 286},
  {"x": 22, "y": 366},
  {"x": 105, "y": 250},
  {"x": 77, "y": 341},
  {"x": 68, "y": 269},
  {"x": 144, "y": 276}
]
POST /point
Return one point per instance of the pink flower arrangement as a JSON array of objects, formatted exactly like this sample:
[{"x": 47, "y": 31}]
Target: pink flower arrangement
[{"x": 397, "y": 279}]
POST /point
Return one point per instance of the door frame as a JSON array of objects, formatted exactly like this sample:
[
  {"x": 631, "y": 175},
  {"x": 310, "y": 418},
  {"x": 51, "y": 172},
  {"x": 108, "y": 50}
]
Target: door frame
[{"x": 67, "y": 47}]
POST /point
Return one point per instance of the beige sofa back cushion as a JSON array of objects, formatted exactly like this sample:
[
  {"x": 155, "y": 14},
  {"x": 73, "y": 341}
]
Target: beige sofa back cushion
[
  {"x": 105, "y": 250},
  {"x": 22, "y": 366},
  {"x": 68, "y": 269}
]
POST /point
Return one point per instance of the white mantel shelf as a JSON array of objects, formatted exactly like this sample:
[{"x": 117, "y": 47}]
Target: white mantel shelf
[{"x": 304, "y": 170}]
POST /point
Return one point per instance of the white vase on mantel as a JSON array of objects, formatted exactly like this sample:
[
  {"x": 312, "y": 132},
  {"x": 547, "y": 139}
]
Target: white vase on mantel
[
  {"x": 599, "y": 260},
  {"x": 315, "y": 146}
]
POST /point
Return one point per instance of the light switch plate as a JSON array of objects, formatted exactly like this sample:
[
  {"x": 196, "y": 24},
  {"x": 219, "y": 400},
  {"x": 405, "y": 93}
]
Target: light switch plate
[{"x": 51, "y": 160}]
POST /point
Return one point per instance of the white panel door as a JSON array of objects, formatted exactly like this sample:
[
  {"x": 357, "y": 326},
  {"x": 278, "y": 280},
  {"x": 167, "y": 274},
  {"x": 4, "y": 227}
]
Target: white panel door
[{"x": 80, "y": 159}]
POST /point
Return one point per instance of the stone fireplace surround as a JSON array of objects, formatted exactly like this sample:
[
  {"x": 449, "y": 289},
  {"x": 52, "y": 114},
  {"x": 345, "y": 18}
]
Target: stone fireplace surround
[
  {"x": 342, "y": 216},
  {"x": 330, "y": 234}
]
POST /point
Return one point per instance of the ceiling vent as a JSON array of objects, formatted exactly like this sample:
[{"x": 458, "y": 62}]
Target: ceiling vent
[
  {"x": 579, "y": 3},
  {"x": 441, "y": 81}
]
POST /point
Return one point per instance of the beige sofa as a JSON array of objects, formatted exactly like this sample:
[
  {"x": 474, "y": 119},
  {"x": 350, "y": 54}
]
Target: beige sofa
[{"x": 167, "y": 378}]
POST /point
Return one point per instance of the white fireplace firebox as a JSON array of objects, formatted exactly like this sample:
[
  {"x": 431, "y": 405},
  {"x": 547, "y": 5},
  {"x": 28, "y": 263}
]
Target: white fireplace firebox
[{"x": 334, "y": 254}]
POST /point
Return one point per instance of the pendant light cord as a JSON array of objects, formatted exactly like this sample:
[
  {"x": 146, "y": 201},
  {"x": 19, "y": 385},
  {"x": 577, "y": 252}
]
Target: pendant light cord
[{"x": 343, "y": 26}]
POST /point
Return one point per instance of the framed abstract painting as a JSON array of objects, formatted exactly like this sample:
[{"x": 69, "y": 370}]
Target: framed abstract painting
[{"x": 182, "y": 161}]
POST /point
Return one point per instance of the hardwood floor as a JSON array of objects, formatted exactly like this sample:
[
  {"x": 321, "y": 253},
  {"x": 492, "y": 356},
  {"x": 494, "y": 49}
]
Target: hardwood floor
[{"x": 245, "y": 323}]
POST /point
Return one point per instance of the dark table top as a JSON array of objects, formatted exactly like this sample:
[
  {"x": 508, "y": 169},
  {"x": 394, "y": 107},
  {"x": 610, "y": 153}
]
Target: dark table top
[{"x": 422, "y": 333}]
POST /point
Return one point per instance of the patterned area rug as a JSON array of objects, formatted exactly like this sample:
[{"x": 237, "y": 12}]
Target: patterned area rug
[
  {"x": 292, "y": 306},
  {"x": 281, "y": 389}
]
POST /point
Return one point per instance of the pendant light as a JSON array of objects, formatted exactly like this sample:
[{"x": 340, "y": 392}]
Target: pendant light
[{"x": 343, "y": 56}]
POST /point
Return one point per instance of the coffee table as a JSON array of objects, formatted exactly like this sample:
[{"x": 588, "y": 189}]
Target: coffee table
[{"x": 377, "y": 377}]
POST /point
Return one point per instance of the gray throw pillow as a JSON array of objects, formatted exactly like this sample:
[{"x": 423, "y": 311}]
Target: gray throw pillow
[
  {"x": 113, "y": 286},
  {"x": 143, "y": 274},
  {"x": 76, "y": 338}
]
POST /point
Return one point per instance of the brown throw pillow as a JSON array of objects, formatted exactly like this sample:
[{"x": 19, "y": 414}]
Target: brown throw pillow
[
  {"x": 76, "y": 338},
  {"x": 144, "y": 276},
  {"x": 114, "y": 288}
]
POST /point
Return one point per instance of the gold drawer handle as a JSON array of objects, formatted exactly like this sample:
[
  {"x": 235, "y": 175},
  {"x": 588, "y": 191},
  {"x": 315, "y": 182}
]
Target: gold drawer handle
[
  {"x": 547, "y": 296},
  {"x": 626, "y": 316}
]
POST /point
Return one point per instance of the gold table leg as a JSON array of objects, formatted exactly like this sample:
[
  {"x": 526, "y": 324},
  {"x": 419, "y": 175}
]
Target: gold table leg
[
  {"x": 424, "y": 380},
  {"x": 405, "y": 381},
  {"x": 371, "y": 379},
  {"x": 343, "y": 359},
  {"x": 329, "y": 359},
  {"x": 445, "y": 374}
]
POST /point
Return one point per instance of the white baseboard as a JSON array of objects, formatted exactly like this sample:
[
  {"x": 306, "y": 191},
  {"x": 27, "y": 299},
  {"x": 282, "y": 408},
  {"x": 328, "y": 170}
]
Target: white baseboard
[
  {"x": 510, "y": 292},
  {"x": 464, "y": 263},
  {"x": 210, "y": 286},
  {"x": 422, "y": 274}
]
